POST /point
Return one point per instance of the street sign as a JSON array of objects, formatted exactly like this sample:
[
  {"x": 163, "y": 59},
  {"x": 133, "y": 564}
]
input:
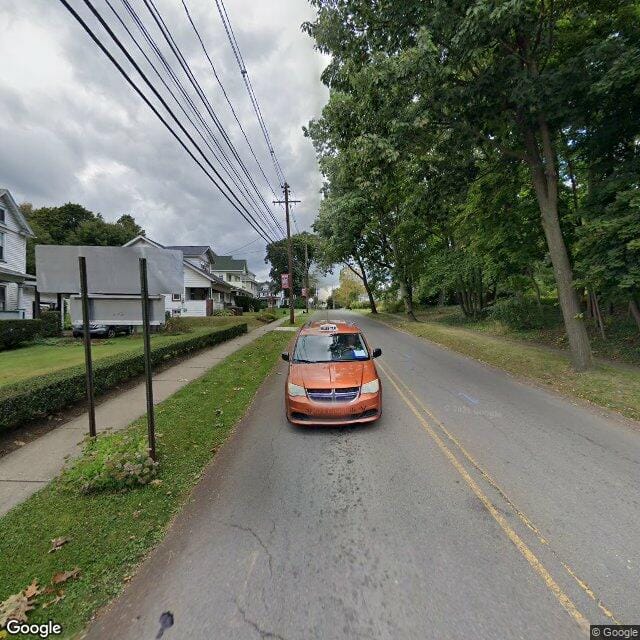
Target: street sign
[
  {"x": 284, "y": 280},
  {"x": 110, "y": 270}
]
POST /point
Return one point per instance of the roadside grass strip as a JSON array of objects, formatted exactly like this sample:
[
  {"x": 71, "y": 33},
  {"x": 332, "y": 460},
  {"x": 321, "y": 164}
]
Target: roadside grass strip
[
  {"x": 76, "y": 550},
  {"x": 613, "y": 388}
]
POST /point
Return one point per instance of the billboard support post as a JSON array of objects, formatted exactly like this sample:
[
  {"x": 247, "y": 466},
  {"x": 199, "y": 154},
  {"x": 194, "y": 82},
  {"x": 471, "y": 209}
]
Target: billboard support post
[
  {"x": 146, "y": 330},
  {"x": 82, "y": 264}
]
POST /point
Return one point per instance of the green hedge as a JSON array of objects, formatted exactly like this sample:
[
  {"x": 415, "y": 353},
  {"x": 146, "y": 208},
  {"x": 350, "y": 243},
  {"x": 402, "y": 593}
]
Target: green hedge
[
  {"x": 46, "y": 394},
  {"x": 50, "y": 324},
  {"x": 13, "y": 332}
]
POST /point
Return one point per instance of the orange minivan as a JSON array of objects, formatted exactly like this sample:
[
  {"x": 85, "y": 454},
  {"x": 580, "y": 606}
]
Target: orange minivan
[{"x": 332, "y": 378}]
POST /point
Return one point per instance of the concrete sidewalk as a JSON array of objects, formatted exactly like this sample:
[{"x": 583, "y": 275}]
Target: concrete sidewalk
[{"x": 26, "y": 470}]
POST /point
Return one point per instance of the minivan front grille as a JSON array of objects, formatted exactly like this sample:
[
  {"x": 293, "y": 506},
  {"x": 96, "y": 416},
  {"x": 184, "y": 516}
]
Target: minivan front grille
[{"x": 345, "y": 394}]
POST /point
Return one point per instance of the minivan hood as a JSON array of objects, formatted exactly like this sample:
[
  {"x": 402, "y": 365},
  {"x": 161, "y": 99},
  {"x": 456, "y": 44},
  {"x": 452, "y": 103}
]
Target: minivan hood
[{"x": 328, "y": 375}]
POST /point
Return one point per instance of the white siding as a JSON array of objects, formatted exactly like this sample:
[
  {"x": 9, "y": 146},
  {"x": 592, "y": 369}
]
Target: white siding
[
  {"x": 15, "y": 244},
  {"x": 193, "y": 279},
  {"x": 28, "y": 297}
]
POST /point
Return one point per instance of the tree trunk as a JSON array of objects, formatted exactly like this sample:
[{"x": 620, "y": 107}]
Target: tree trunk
[
  {"x": 537, "y": 290},
  {"x": 407, "y": 296},
  {"x": 441, "y": 297},
  {"x": 545, "y": 182},
  {"x": 365, "y": 282},
  {"x": 635, "y": 311}
]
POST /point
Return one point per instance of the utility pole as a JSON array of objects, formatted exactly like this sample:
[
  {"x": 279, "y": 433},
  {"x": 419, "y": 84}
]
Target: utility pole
[
  {"x": 306, "y": 275},
  {"x": 286, "y": 203}
]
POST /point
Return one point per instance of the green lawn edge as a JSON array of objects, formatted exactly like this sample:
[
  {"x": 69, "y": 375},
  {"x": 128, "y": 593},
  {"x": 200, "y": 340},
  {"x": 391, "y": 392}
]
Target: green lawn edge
[
  {"x": 110, "y": 534},
  {"x": 610, "y": 387}
]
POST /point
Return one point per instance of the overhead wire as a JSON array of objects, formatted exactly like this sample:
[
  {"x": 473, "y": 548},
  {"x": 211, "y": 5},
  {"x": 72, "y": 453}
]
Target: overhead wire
[
  {"x": 227, "y": 192},
  {"x": 240, "y": 186},
  {"x": 175, "y": 49}
]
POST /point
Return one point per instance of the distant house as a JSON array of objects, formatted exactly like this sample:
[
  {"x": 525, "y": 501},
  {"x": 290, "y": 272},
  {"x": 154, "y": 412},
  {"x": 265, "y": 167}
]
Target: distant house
[
  {"x": 204, "y": 292},
  {"x": 17, "y": 287},
  {"x": 266, "y": 294},
  {"x": 235, "y": 272}
]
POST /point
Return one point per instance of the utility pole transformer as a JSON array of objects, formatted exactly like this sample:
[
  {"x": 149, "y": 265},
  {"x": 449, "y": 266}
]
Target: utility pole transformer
[{"x": 286, "y": 203}]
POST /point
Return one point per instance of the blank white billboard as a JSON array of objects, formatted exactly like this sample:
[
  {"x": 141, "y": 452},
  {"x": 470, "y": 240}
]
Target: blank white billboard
[{"x": 110, "y": 270}]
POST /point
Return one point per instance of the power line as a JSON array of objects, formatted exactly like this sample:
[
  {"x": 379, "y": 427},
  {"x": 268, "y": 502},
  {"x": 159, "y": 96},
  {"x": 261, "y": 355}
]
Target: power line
[
  {"x": 158, "y": 53},
  {"x": 175, "y": 49},
  {"x": 226, "y": 96},
  {"x": 242, "y": 247},
  {"x": 239, "y": 206},
  {"x": 222, "y": 10}
]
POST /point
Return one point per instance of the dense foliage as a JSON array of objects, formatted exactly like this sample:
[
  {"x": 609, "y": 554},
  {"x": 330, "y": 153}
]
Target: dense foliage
[
  {"x": 15, "y": 332},
  {"x": 480, "y": 149},
  {"x": 74, "y": 224}
]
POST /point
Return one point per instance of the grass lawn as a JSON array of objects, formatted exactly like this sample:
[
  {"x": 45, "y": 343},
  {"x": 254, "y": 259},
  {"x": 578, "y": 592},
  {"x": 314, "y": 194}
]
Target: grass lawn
[
  {"x": 608, "y": 386},
  {"x": 111, "y": 533},
  {"x": 59, "y": 353},
  {"x": 621, "y": 344}
]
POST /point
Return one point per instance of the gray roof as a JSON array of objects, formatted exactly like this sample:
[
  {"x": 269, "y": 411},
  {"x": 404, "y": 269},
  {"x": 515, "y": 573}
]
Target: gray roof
[
  {"x": 229, "y": 263},
  {"x": 190, "y": 251}
]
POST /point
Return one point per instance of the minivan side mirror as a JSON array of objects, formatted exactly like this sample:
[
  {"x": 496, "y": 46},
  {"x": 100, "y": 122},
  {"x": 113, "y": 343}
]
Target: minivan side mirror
[
  {"x": 285, "y": 356},
  {"x": 377, "y": 352}
]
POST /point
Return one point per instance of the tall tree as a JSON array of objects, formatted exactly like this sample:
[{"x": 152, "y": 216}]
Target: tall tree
[
  {"x": 74, "y": 224},
  {"x": 496, "y": 76}
]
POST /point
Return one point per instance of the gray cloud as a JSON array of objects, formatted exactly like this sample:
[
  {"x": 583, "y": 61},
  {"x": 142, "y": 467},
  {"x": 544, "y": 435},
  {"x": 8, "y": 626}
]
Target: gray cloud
[{"x": 71, "y": 128}]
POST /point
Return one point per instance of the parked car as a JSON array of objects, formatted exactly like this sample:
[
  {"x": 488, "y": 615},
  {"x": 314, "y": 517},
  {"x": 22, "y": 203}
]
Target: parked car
[
  {"x": 332, "y": 378},
  {"x": 103, "y": 330}
]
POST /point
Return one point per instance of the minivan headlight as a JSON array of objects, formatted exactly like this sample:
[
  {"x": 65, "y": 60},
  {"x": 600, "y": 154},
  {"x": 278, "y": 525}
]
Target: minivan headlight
[
  {"x": 371, "y": 387},
  {"x": 295, "y": 390}
]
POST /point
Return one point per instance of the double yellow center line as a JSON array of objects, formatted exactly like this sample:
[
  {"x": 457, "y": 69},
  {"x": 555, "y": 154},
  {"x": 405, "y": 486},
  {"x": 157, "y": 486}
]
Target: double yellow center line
[{"x": 410, "y": 399}]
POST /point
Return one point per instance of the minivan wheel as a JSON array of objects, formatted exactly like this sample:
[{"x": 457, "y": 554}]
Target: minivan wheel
[{"x": 111, "y": 332}]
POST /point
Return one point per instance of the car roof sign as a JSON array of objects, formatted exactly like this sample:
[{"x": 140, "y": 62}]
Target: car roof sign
[{"x": 328, "y": 327}]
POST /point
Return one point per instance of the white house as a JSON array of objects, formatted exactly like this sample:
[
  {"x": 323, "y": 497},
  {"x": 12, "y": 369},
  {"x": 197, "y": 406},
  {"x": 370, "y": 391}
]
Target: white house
[
  {"x": 17, "y": 287},
  {"x": 266, "y": 294},
  {"x": 235, "y": 272},
  {"x": 203, "y": 292}
]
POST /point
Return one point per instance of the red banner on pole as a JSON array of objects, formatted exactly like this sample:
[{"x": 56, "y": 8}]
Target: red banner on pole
[
  {"x": 304, "y": 292},
  {"x": 284, "y": 280}
]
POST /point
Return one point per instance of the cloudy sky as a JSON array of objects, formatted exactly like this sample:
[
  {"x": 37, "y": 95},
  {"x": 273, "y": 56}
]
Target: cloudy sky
[{"x": 71, "y": 129}]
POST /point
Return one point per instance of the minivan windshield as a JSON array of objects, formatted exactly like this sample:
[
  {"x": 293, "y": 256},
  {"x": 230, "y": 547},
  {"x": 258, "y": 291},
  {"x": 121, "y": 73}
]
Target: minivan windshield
[{"x": 337, "y": 347}]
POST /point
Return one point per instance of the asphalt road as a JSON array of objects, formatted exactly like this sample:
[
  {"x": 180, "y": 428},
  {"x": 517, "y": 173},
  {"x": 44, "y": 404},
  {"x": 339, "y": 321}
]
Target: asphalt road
[{"x": 477, "y": 507}]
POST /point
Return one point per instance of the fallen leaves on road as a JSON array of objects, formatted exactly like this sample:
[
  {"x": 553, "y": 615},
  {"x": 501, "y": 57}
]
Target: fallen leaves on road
[
  {"x": 63, "y": 576},
  {"x": 58, "y": 543}
]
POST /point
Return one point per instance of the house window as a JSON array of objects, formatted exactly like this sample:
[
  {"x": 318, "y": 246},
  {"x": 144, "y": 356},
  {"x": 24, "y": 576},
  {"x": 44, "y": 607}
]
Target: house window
[
  {"x": 2, "y": 247},
  {"x": 3, "y": 298},
  {"x": 176, "y": 297},
  {"x": 3, "y": 215}
]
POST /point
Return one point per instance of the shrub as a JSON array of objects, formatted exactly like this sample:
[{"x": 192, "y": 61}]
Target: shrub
[
  {"x": 393, "y": 306},
  {"x": 247, "y": 303},
  {"x": 223, "y": 312},
  {"x": 111, "y": 462},
  {"x": 265, "y": 317},
  {"x": 14, "y": 332},
  {"x": 176, "y": 325},
  {"x": 520, "y": 312},
  {"x": 41, "y": 396},
  {"x": 50, "y": 324}
]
